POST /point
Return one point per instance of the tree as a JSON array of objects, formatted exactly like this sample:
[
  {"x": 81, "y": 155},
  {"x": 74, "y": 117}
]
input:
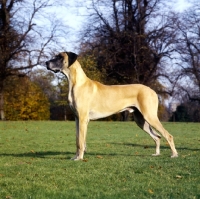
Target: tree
[
  {"x": 23, "y": 44},
  {"x": 46, "y": 80},
  {"x": 25, "y": 100},
  {"x": 130, "y": 40},
  {"x": 188, "y": 47},
  {"x": 181, "y": 114},
  {"x": 89, "y": 64}
]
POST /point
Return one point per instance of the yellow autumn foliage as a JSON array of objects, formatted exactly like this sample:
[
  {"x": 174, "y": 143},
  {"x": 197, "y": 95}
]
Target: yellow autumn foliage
[
  {"x": 89, "y": 66},
  {"x": 24, "y": 100}
]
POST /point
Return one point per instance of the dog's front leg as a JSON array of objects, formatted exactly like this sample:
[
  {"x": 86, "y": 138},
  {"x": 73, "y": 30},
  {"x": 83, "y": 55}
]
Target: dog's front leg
[
  {"x": 77, "y": 133},
  {"x": 81, "y": 131}
]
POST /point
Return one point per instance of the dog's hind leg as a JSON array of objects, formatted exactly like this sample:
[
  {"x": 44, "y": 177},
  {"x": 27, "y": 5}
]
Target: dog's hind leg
[
  {"x": 143, "y": 124},
  {"x": 155, "y": 123}
]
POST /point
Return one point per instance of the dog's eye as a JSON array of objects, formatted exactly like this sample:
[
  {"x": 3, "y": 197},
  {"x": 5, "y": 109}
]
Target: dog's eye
[{"x": 58, "y": 57}]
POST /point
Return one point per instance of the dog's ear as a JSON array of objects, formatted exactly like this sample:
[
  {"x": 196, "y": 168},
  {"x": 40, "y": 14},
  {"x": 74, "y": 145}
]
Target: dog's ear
[{"x": 72, "y": 57}]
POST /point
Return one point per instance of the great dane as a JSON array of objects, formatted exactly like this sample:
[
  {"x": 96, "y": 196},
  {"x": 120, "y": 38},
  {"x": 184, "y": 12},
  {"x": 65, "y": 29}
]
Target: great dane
[{"x": 92, "y": 100}]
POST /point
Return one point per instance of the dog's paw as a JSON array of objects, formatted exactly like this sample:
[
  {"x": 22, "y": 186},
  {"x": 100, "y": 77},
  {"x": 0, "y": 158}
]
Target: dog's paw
[
  {"x": 174, "y": 156},
  {"x": 157, "y": 154},
  {"x": 76, "y": 158}
]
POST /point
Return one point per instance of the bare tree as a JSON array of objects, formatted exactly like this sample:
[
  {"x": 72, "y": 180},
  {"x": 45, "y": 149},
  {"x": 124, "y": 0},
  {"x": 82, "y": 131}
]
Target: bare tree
[
  {"x": 23, "y": 41},
  {"x": 131, "y": 39},
  {"x": 188, "y": 48}
]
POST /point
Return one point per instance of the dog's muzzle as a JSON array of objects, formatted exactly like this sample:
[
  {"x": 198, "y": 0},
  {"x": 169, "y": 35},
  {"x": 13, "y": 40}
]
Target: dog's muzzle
[{"x": 48, "y": 64}]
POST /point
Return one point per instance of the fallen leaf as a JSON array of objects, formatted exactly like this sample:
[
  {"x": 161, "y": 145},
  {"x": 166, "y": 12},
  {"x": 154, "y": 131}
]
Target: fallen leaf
[
  {"x": 85, "y": 160},
  {"x": 32, "y": 151},
  {"x": 178, "y": 176},
  {"x": 99, "y": 157},
  {"x": 150, "y": 191},
  {"x": 20, "y": 162}
]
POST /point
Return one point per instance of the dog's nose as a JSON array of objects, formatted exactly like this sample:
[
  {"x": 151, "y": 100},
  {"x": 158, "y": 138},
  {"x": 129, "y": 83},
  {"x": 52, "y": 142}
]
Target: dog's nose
[{"x": 47, "y": 65}]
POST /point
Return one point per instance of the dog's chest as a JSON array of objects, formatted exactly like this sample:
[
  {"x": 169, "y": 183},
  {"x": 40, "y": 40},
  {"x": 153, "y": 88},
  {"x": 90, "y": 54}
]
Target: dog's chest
[{"x": 70, "y": 100}]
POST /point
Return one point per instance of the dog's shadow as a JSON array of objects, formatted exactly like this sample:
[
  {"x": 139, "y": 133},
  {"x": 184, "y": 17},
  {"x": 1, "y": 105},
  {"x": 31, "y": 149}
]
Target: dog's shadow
[
  {"x": 153, "y": 146},
  {"x": 41, "y": 154},
  {"x": 69, "y": 154},
  {"x": 58, "y": 154}
]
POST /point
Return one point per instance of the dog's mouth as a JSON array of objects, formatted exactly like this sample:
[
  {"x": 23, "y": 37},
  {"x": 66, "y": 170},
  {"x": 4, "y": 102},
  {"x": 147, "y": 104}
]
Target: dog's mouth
[{"x": 55, "y": 70}]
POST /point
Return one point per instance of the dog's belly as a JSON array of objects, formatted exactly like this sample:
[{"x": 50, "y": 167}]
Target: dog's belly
[{"x": 93, "y": 115}]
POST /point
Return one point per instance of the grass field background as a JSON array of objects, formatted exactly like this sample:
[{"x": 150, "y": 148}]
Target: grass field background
[{"x": 35, "y": 162}]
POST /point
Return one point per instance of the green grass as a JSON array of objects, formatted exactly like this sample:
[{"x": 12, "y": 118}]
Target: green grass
[{"x": 35, "y": 162}]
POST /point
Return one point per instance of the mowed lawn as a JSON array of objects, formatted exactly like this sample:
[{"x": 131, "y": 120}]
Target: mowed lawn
[{"x": 35, "y": 162}]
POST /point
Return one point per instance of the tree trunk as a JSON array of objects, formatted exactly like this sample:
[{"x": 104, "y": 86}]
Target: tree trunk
[{"x": 2, "y": 114}]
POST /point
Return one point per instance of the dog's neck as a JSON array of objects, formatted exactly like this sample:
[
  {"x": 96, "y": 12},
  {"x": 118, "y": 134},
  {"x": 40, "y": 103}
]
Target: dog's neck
[
  {"x": 75, "y": 74},
  {"x": 76, "y": 77}
]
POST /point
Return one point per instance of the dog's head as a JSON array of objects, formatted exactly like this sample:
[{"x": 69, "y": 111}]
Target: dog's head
[{"x": 61, "y": 61}]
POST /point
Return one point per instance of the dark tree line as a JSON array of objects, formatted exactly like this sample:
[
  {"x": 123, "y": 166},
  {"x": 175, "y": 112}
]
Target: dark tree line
[
  {"x": 143, "y": 41},
  {"x": 124, "y": 41}
]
